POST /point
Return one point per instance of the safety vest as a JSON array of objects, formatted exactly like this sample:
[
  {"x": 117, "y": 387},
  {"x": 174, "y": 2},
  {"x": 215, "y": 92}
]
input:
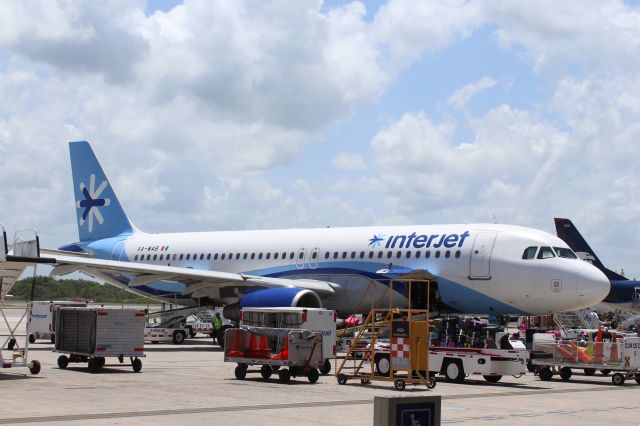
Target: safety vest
[{"x": 217, "y": 323}]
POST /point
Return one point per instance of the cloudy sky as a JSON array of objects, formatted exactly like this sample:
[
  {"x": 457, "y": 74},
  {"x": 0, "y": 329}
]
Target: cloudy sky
[{"x": 217, "y": 115}]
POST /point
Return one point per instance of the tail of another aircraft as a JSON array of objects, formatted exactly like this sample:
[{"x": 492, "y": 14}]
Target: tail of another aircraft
[
  {"x": 98, "y": 210},
  {"x": 567, "y": 231}
]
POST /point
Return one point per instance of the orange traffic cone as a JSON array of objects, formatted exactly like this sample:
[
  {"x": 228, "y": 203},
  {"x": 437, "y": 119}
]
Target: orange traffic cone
[
  {"x": 284, "y": 353},
  {"x": 259, "y": 347},
  {"x": 597, "y": 349},
  {"x": 233, "y": 345},
  {"x": 614, "y": 350}
]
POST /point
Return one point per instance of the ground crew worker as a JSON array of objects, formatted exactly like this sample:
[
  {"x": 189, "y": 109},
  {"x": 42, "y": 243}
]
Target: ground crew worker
[{"x": 217, "y": 324}]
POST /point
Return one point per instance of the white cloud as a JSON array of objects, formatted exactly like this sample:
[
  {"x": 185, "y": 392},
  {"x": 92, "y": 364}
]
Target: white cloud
[
  {"x": 349, "y": 161},
  {"x": 460, "y": 97}
]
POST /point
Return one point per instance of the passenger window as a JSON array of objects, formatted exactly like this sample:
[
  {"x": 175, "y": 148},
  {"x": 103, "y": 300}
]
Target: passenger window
[
  {"x": 437, "y": 254},
  {"x": 353, "y": 254},
  {"x": 418, "y": 254},
  {"x": 457, "y": 254},
  {"x": 314, "y": 255},
  {"x": 565, "y": 253},
  {"x": 447, "y": 254},
  {"x": 244, "y": 256},
  {"x": 275, "y": 255},
  {"x": 188, "y": 256},
  {"x": 259, "y": 255},
  {"x": 399, "y": 254},
  {"x": 182, "y": 256},
  {"x": 344, "y": 254},
  {"x": 361, "y": 255},
  {"x": 155, "y": 256},
  {"x": 208, "y": 256},
  {"x": 195, "y": 256},
  {"x": 237, "y": 256},
  {"x": 380, "y": 254},
  {"x": 301, "y": 255},
  {"x": 335, "y": 254},
  {"x": 284, "y": 256},
  {"x": 161, "y": 256},
  {"x": 408, "y": 254},
  {"x": 427, "y": 254},
  {"x": 174, "y": 256},
  {"x": 136, "y": 257},
  {"x": 545, "y": 253},
  {"x": 268, "y": 256},
  {"x": 215, "y": 256},
  {"x": 201, "y": 256},
  {"x": 326, "y": 255},
  {"x": 529, "y": 253},
  {"x": 389, "y": 254},
  {"x": 370, "y": 255},
  {"x": 291, "y": 256},
  {"x": 222, "y": 256},
  {"x": 148, "y": 257},
  {"x": 253, "y": 256}
]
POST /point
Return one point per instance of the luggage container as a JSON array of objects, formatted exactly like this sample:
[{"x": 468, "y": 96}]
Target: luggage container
[
  {"x": 552, "y": 356},
  {"x": 92, "y": 334},
  {"x": 290, "y": 352},
  {"x": 41, "y": 320}
]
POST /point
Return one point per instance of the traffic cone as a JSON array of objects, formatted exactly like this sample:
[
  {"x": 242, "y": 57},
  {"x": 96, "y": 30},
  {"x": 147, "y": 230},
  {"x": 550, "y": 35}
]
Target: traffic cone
[
  {"x": 233, "y": 344},
  {"x": 614, "y": 350},
  {"x": 284, "y": 352},
  {"x": 259, "y": 347}
]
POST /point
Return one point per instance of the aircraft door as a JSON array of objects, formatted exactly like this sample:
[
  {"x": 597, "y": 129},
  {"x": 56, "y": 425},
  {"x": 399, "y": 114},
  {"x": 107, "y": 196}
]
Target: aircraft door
[
  {"x": 313, "y": 259},
  {"x": 118, "y": 252},
  {"x": 300, "y": 258},
  {"x": 480, "y": 261}
]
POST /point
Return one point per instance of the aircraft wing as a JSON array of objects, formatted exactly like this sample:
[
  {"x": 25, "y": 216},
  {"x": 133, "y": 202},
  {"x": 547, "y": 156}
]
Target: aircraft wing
[{"x": 195, "y": 279}]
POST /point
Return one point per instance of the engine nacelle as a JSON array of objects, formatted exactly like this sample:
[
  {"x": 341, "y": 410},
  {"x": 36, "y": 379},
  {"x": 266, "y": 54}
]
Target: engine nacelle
[{"x": 274, "y": 298}]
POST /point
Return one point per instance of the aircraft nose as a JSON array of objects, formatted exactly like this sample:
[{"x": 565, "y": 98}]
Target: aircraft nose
[{"x": 593, "y": 286}]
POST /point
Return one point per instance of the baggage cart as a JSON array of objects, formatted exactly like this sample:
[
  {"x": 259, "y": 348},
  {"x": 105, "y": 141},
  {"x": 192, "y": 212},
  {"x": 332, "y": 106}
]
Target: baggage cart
[
  {"x": 551, "y": 356},
  {"x": 290, "y": 352},
  {"x": 41, "y": 320},
  {"x": 93, "y": 334}
]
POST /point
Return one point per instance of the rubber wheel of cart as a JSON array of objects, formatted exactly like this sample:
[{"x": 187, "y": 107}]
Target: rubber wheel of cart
[
  {"x": 605, "y": 372},
  {"x": 617, "y": 379},
  {"x": 342, "y": 379},
  {"x": 266, "y": 371},
  {"x": 326, "y": 367},
  {"x": 399, "y": 384},
  {"x": 589, "y": 371},
  {"x": 178, "y": 337},
  {"x": 92, "y": 365},
  {"x": 382, "y": 364},
  {"x": 545, "y": 373},
  {"x": 313, "y": 375},
  {"x": 453, "y": 371},
  {"x": 284, "y": 376},
  {"x": 241, "y": 372},
  {"x": 365, "y": 381},
  {"x": 638, "y": 379},
  {"x": 431, "y": 383},
  {"x": 565, "y": 373},
  {"x": 63, "y": 361},
  {"x": 100, "y": 361},
  {"x": 32, "y": 338},
  {"x": 136, "y": 364},
  {"x": 35, "y": 367},
  {"x": 492, "y": 379}
]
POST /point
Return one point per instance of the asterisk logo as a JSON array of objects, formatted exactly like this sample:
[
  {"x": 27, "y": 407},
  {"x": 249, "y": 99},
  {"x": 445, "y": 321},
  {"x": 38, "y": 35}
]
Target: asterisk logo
[
  {"x": 92, "y": 201},
  {"x": 376, "y": 241}
]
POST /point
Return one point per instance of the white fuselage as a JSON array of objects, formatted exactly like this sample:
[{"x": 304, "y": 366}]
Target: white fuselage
[{"x": 480, "y": 267}]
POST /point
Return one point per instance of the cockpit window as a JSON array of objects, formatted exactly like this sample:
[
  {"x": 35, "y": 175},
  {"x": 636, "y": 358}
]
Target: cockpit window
[
  {"x": 545, "y": 253},
  {"x": 565, "y": 252},
  {"x": 530, "y": 253}
]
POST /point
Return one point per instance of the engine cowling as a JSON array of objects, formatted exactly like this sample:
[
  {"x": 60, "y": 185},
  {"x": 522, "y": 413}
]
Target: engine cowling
[{"x": 274, "y": 298}]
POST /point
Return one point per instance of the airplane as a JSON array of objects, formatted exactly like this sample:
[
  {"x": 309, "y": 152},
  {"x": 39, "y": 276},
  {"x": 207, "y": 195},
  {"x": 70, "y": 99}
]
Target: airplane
[
  {"x": 623, "y": 294},
  {"x": 480, "y": 268}
]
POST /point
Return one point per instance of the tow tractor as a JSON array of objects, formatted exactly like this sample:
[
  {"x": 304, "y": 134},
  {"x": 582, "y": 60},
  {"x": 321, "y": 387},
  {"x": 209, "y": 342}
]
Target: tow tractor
[{"x": 170, "y": 325}]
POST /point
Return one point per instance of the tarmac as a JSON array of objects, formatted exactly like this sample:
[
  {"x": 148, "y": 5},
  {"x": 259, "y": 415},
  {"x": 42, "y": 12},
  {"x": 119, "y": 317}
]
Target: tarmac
[{"x": 190, "y": 384}]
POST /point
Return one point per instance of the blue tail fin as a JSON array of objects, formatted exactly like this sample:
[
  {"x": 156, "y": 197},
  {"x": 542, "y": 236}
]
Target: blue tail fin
[
  {"x": 567, "y": 232},
  {"x": 98, "y": 210}
]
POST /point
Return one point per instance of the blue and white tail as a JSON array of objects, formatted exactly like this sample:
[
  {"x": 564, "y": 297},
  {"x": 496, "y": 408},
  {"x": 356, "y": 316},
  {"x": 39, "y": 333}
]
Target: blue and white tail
[{"x": 98, "y": 210}]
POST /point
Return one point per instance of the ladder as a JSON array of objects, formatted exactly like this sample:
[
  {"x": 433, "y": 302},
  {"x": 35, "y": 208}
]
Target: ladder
[
  {"x": 576, "y": 320},
  {"x": 12, "y": 264}
]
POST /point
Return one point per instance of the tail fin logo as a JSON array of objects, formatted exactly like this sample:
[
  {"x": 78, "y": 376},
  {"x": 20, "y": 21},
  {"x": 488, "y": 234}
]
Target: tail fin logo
[{"x": 92, "y": 202}]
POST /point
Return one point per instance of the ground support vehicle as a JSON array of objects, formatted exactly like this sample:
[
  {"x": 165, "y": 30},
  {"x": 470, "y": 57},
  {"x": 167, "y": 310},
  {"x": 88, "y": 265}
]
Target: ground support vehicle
[
  {"x": 290, "y": 352},
  {"x": 92, "y": 334},
  {"x": 41, "y": 320},
  {"x": 26, "y": 244},
  {"x": 551, "y": 356},
  {"x": 170, "y": 325},
  {"x": 408, "y": 361},
  {"x": 318, "y": 320}
]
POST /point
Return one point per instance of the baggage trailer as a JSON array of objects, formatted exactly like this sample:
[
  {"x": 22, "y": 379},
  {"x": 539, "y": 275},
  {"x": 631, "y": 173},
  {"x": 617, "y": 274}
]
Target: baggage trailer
[
  {"x": 92, "y": 334},
  {"x": 318, "y": 320},
  {"x": 551, "y": 356},
  {"x": 41, "y": 320},
  {"x": 297, "y": 352}
]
